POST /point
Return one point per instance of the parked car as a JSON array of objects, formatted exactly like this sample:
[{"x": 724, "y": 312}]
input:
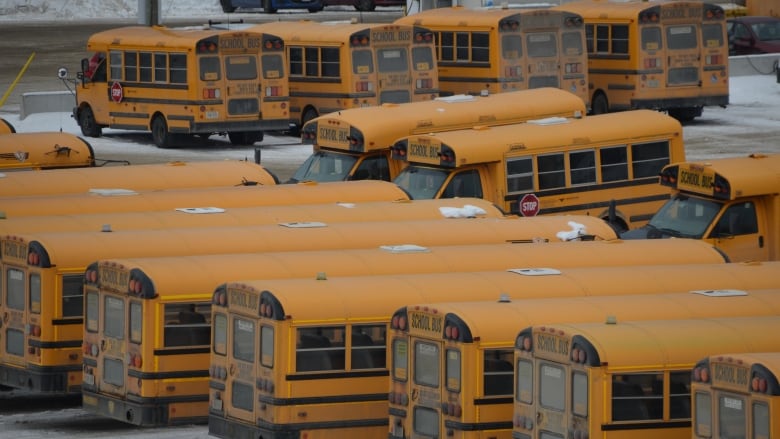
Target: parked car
[
  {"x": 753, "y": 34},
  {"x": 364, "y": 5}
]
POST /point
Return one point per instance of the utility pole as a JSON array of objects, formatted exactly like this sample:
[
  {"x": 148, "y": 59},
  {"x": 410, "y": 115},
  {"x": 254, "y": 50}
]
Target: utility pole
[{"x": 149, "y": 12}]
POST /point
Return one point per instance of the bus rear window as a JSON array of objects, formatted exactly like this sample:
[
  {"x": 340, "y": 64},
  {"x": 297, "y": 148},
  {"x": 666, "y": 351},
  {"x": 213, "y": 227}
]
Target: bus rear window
[
  {"x": 511, "y": 46},
  {"x": 392, "y": 60},
  {"x": 241, "y": 67},
  {"x": 273, "y": 66},
  {"x": 426, "y": 364},
  {"x": 14, "y": 287},
  {"x": 115, "y": 317},
  {"x": 422, "y": 58},
  {"x": 244, "y": 340},
  {"x": 542, "y": 44},
  {"x": 681, "y": 37}
]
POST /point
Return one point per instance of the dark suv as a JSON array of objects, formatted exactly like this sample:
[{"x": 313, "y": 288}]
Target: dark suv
[{"x": 753, "y": 34}]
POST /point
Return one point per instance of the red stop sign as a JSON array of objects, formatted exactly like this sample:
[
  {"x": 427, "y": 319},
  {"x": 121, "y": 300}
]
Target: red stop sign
[
  {"x": 116, "y": 92},
  {"x": 529, "y": 205}
]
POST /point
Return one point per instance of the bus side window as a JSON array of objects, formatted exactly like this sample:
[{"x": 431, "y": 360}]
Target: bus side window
[
  {"x": 627, "y": 404},
  {"x": 738, "y": 219},
  {"x": 499, "y": 373}
]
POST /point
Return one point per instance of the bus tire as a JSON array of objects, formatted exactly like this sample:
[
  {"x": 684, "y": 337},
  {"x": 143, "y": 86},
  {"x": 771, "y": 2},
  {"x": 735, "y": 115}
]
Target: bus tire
[
  {"x": 312, "y": 10},
  {"x": 308, "y": 115},
  {"x": 160, "y": 134},
  {"x": 227, "y": 6},
  {"x": 88, "y": 124},
  {"x": 267, "y": 8},
  {"x": 365, "y": 5},
  {"x": 599, "y": 104},
  {"x": 243, "y": 138},
  {"x": 686, "y": 114}
]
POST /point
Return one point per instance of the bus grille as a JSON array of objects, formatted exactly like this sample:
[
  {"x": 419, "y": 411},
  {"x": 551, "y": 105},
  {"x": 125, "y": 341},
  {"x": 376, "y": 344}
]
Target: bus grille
[
  {"x": 684, "y": 76},
  {"x": 243, "y": 106},
  {"x": 543, "y": 81}
]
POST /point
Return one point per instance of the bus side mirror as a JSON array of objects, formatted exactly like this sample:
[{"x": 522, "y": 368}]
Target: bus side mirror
[{"x": 84, "y": 68}]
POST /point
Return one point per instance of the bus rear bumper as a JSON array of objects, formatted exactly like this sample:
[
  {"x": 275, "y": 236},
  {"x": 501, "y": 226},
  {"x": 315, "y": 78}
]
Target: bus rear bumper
[
  {"x": 60, "y": 380},
  {"x": 226, "y": 127},
  {"x": 224, "y": 428},
  {"x": 154, "y": 414},
  {"x": 703, "y": 101}
]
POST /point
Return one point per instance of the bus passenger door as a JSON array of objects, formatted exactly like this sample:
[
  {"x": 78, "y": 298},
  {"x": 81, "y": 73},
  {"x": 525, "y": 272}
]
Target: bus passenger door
[
  {"x": 741, "y": 232},
  {"x": 95, "y": 92}
]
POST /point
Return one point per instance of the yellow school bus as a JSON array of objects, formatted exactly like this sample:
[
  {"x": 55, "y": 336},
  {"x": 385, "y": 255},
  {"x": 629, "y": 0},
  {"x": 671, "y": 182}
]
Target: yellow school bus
[
  {"x": 307, "y": 376},
  {"x": 150, "y": 177},
  {"x": 115, "y": 200},
  {"x": 210, "y": 216},
  {"x": 620, "y": 379},
  {"x": 355, "y": 144},
  {"x": 6, "y": 127},
  {"x": 49, "y": 269},
  {"x": 664, "y": 55},
  {"x": 458, "y": 356},
  {"x": 44, "y": 150},
  {"x": 182, "y": 82},
  {"x": 136, "y": 400},
  {"x": 605, "y": 166},
  {"x": 736, "y": 395},
  {"x": 486, "y": 50},
  {"x": 336, "y": 65},
  {"x": 732, "y": 203}
]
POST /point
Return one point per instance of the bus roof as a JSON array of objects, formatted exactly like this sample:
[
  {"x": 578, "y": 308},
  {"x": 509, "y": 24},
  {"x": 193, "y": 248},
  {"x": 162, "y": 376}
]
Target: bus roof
[
  {"x": 435, "y": 115},
  {"x": 625, "y": 346},
  {"x": 75, "y": 249},
  {"x": 626, "y": 10},
  {"x": 344, "y": 297},
  {"x": 213, "y": 215},
  {"x": 476, "y": 17},
  {"x": 45, "y": 150},
  {"x": 319, "y": 32},
  {"x": 192, "y": 272},
  {"x": 154, "y": 36},
  {"x": 124, "y": 200},
  {"x": 485, "y": 144},
  {"x": 756, "y": 174},
  {"x": 480, "y": 317},
  {"x": 136, "y": 177}
]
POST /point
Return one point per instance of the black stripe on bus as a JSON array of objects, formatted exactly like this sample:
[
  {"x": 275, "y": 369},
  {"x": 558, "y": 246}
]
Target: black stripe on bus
[
  {"x": 621, "y": 87},
  {"x": 179, "y": 102},
  {"x": 129, "y": 115},
  {"x": 478, "y": 426},
  {"x": 604, "y": 204},
  {"x": 493, "y": 401},
  {"x": 54, "y": 344},
  {"x": 470, "y": 79},
  {"x": 51, "y": 370},
  {"x": 646, "y": 426},
  {"x": 155, "y": 86},
  {"x": 314, "y": 400},
  {"x": 71, "y": 321},
  {"x": 183, "y": 117},
  {"x": 157, "y": 400},
  {"x": 181, "y": 351},
  {"x": 167, "y": 375},
  {"x": 334, "y": 375},
  {"x": 289, "y": 428},
  {"x": 333, "y": 95}
]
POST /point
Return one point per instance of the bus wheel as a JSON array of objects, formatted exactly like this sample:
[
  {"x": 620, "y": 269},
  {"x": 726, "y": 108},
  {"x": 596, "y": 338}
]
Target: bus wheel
[
  {"x": 686, "y": 114},
  {"x": 599, "y": 104},
  {"x": 268, "y": 8},
  {"x": 308, "y": 115},
  {"x": 89, "y": 126},
  {"x": 365, "y": 5},
  {"x": 242, "y": 138},
  {"x": 227, "y": 6},
  {"x": 160, "y": 135}
]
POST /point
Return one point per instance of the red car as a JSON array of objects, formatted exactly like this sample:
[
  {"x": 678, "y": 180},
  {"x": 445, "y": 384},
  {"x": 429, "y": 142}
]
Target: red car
[{"x": 753, "y": 34}]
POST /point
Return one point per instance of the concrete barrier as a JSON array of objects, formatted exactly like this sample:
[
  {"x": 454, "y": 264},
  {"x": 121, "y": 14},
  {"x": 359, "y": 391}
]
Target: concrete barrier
[
  {"x": 747, "y": 65},
  {"x": 46, "y": 102}
]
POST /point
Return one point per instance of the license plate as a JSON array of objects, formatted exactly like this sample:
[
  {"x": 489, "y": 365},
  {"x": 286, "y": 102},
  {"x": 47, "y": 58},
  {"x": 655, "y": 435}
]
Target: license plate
[
  {"x": 212, "y": 114},
  {"x": 89, "y": 379}
]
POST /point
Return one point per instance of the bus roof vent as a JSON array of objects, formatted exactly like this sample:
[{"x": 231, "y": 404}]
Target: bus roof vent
[
  {"x": 535, "y": 271},
  {"x": 303, "y": 224},
  {"x": 456, "y": 98},
  {"x": 112, "y": 192},
  {"x": 2, "y": 175},
  {"x": 346, "y": 205},
  {"x": 549, "y": 121},
  {"x": 720, "y": 293},
  {"x": 405, "y": 248},
  {"x": 200, "y": 209}
]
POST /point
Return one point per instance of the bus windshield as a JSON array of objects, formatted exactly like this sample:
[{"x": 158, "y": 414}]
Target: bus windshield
[
  {"x": 421, "y": 183},
  {"x": 324, "y": 166},
  {"x": 685, "y": 217}
]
